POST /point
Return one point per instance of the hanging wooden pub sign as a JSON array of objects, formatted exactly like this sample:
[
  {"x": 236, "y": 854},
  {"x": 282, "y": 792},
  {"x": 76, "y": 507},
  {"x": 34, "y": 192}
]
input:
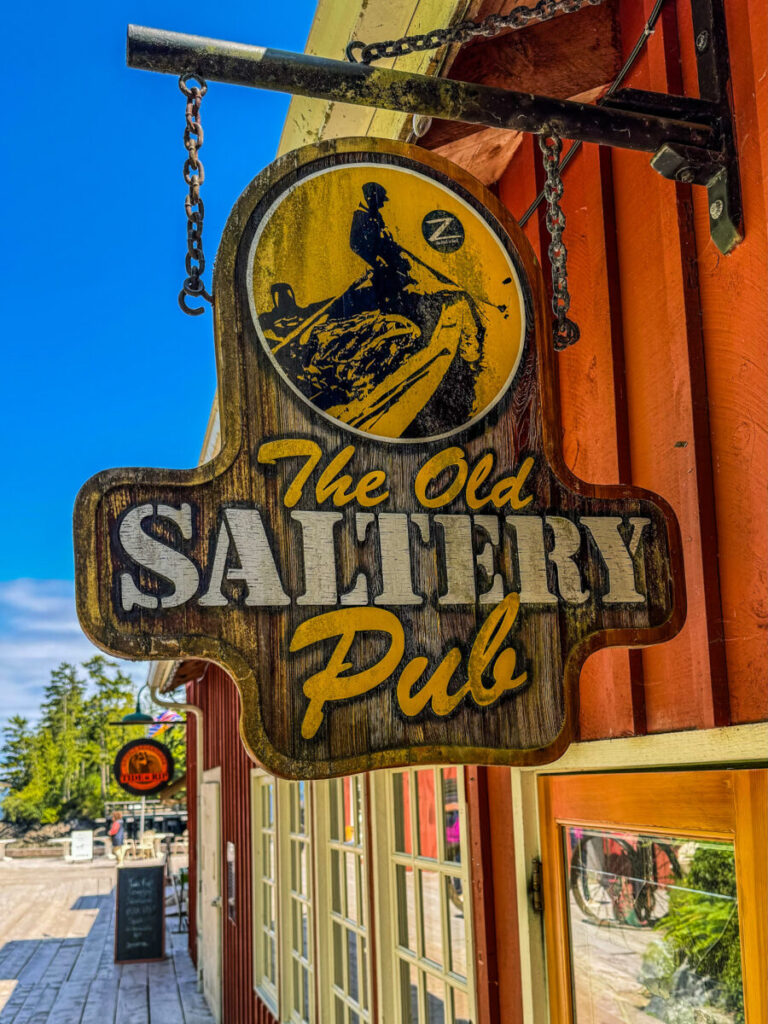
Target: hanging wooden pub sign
[
  {"x": 143, "y": 766},
  {"x": 388, "y": 553}
]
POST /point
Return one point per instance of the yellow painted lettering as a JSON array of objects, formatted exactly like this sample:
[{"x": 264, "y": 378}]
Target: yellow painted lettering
[
  {"x": 369, "y": 483},
  {"x": 331, "y": 683},
  {"x": 328, "y": 486},
  {"x": 292, "y": 448},
  {"x": 435, "y": 688},
  {"x": 489, "y": 639},
  {"x": 479, "y": 473},
  {"x": 507, "y": 491},
  {"x": 431, "y": 470}
]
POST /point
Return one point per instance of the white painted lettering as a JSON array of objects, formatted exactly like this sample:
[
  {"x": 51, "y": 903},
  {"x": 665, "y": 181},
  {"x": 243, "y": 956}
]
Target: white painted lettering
[
  {"x": 618, "y": 556},
  {"x": 158, "y": 557},
  {"x": 242, "y": 534}
]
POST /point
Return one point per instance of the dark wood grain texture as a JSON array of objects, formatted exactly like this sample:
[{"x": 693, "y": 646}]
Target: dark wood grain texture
[{"x": 532, "y": 725}]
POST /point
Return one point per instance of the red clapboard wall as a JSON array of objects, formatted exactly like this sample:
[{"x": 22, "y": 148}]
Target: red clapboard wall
[
  {"x": 218, "y": 698},
  {"x": 667, "y": 389}
]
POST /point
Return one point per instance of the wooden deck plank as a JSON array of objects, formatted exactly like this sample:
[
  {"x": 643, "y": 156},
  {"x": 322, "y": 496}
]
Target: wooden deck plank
[
  {"x": 164, "y": 998},
  {"x": 18, "y": 997},
  {"x": 132, "y": 995},
  {"x": 35, "y": 970},
  {"x": 101, "y": 1004},
  {"x": 57, "y": 966},
  {"x": 37, "y": 1007},
  {"x": 193, "y": 1002},
  {"x": 68, "y": 1005}
]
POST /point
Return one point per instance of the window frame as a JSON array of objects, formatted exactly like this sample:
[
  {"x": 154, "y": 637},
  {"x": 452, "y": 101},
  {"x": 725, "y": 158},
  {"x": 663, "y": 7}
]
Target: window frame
[
  {"x": 285, "y": 846},
  {"x": 712, "y": 803},
  {"x": 325, "y": 912},
  {"x": 385, "y": 861},
  {"x": 268, "y": 993}
]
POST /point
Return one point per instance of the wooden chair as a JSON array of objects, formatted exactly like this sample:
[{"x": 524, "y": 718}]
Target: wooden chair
[{"x": 146, "y": 848}]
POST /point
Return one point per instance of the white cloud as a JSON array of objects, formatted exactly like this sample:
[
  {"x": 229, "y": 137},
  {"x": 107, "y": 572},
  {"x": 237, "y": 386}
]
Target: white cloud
[{"x": 39, "y": 630}]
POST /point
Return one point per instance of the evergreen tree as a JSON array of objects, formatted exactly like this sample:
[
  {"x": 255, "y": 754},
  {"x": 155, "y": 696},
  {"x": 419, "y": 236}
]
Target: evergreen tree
[
  {"x": 15, "y": 767},
  {"x": 112, "y": 698},
  {"x": 63, "y": 714},
  {"x": 62, "y": 766}
]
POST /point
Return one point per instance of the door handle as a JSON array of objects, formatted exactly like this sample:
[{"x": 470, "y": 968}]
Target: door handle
[{"x": 216, "y": 901}]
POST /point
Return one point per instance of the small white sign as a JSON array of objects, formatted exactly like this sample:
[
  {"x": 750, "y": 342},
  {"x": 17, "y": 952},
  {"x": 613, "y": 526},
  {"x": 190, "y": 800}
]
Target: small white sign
[{"x": 82, "y": 845}]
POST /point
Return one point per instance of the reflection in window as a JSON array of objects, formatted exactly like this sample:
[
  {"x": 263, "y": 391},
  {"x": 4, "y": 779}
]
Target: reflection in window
[
  {"x": 348, "y": 901},
  {"x": 265, "y": 930},
  {"x": 300, "y": 904},
  {"x": 654, "y": 929},
  {"x": 429, "y": 855}
]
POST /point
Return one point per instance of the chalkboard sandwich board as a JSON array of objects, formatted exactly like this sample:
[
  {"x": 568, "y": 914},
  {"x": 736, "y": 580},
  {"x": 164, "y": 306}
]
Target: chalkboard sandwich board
[{"x": 140, "y": 917}]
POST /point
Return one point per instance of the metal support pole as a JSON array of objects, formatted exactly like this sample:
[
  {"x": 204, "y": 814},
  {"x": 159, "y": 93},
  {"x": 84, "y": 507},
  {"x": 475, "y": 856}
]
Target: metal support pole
[
  {"x": 342, "y": 82},
  {"x": 141, "y": 820}
]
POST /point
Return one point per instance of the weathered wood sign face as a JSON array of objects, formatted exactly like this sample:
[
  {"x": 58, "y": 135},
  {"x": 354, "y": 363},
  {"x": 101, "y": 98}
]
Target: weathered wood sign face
[
  {"x": 143, "y": 766},
  {"x": 387, "y": 554}
]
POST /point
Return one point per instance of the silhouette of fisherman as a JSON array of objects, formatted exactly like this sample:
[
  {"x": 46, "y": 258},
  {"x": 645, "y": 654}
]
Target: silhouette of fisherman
[
  {"x": 371, "y": 240},
  {"x": 349, "y": 339}
]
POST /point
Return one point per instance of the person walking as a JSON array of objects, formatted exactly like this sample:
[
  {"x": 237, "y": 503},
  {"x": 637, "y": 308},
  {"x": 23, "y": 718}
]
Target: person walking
[{"x": 117, "y": 834}]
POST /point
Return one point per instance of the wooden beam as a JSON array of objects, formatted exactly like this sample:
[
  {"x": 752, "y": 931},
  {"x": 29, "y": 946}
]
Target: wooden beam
[{"x": 562, "y": 58}]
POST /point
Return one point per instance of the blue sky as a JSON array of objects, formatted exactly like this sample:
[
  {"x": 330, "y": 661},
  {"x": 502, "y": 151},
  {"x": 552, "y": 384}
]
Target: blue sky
[{"x": 102, "y": 368}]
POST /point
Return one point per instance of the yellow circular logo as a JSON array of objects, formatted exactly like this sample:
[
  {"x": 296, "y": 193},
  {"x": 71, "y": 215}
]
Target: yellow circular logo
[{"x": 387, "y": 301}]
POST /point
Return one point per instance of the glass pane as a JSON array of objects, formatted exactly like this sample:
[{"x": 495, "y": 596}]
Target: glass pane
[
  {"x": 360, "y": 876},
  {"x": 457, "y": 928},
  {"x": 402, "y": 802},
  {"x": 431, "y": 916},
  {"x": 267, "y": 813},
  {"x": 409, "y": 993},
  {"x": 358, "y": 789},
  {"x": 295, "y": 884},
  {"x": 338, "y": 1007},
  {"x": 304, "y": 932},
  {"x": 425, "y": 812},
  {"x": 654, "y": 929},
  {"x": 338, "y": 956},
  {"x": 451, "y": 815},
  {"x": 435, "y": 1001},
  {"x": 296, "y": 921},
  {"x": 296, "y": 988},
  {"x": 351, "y": 859},
  {"x": 364, "y": 972},
  {"x": 336, "y": 882},
  {"x": 353, "y": 989},
  {"x": 334, "y": 787},
  {"x": 460, "y": 1007},
  {"x": 305, "y": 993},
  {"x": 350, "y": 810},
  {"x": 406, "y": 907}
]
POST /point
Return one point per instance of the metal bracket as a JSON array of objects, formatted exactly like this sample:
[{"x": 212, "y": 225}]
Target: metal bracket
[
  {"x": 717, "y": 169},
  {"x": 536, "y": 886},
  {"x": 692, "y": 139}
]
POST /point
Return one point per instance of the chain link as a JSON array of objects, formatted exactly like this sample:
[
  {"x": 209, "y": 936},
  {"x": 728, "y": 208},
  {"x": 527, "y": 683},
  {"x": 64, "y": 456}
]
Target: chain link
[
  {"x": 462, "y": 32},
  {"x": 194, "y": 176},
  {"x": 564, "y": 331}
]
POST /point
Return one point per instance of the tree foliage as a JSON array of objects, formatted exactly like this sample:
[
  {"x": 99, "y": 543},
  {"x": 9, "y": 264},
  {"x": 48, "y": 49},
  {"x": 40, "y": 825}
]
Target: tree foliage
[
  {"x": 702, "y": 926},
  {"x": 62, "y": 767}
]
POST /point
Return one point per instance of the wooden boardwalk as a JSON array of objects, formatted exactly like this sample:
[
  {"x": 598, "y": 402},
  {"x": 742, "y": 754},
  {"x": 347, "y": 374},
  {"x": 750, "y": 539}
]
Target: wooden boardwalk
[{"x": 57, "y": 948}]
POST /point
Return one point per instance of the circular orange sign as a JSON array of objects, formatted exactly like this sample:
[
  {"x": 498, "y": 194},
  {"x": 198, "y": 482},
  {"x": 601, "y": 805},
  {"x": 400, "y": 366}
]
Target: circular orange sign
[{"x": 143, "y": 766}]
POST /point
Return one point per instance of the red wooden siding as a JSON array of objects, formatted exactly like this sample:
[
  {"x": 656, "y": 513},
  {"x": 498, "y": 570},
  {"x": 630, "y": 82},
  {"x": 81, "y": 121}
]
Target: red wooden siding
[
  {"x": 217, "y": 695},
  {"x": 668, "y": 387}
]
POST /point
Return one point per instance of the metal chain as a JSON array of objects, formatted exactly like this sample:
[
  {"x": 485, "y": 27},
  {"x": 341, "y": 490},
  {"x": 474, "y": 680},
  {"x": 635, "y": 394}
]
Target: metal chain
[
  {"x": 564, "y": 331},
  {"x": 462, "y": 32},
  {"x": 194, "y": 175}
]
